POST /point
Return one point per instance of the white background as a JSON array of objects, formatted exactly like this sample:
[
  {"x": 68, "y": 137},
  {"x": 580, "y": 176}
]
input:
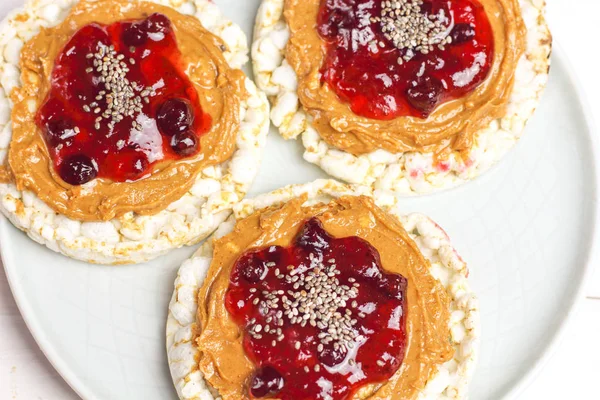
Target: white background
[{"x": 572, "y": 372}]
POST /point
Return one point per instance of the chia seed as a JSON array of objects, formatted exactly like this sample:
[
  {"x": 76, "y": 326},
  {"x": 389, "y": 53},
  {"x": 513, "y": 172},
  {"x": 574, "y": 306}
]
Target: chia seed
[
  {"x": 317, "y": 298},
  {"x": 404, "y": 23},
  {"x": 120, "y": 98}
]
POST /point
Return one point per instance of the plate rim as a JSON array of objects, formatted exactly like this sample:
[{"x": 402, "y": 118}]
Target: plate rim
[
  {"x": 593, "y": 255},
  {"x": 48, "y": 350}
]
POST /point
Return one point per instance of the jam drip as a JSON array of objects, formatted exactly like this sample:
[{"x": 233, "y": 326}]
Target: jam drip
[
  {"x": 321, "y": 318},
  {"x": 385, "y": 70},
  {"x": 120, "y": 102}
]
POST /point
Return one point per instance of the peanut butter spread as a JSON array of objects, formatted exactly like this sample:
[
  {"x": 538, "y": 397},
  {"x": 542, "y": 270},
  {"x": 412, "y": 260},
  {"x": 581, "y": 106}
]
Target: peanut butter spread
[
  {"x": 452, "y": 125},
  {"x": 220, "y": 90},
  {"x": 219, "y": 339}
]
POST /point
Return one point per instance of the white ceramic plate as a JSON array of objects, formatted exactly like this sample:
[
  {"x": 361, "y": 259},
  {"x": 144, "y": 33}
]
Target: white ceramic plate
[{"x": 526, "y": 228}]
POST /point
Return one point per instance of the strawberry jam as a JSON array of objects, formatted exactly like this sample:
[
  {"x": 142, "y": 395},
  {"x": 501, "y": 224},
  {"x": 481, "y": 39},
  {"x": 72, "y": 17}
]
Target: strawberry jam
[
  {"x": 120, "y": 102},
  {"x": 385, "y": 70},
  {"x": 321, "y": 318}
]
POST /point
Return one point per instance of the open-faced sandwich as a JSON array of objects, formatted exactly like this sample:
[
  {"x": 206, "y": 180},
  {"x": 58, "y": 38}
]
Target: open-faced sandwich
[
  {"x": 321, "y": 292},
  {"x": 407, "y": 96},
  {"x": 127, "y": 127}
]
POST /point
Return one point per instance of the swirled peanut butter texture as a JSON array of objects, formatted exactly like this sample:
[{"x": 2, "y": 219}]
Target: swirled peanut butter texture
[
  {"x": 452, "y": 126},
  {"x": 220, "y": 340},
  {"x": 220, "y": 91}
]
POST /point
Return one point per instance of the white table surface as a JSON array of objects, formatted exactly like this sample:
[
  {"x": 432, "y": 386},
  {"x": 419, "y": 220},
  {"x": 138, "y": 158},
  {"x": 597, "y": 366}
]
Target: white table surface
[{"x": 572, "y": 372}]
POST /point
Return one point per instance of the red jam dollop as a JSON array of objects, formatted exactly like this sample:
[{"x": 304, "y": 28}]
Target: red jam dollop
[
  {"x": 120, "y": 102},
  {"x": 321, "y": 318},
  {"x": 380, "y": 77}
]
